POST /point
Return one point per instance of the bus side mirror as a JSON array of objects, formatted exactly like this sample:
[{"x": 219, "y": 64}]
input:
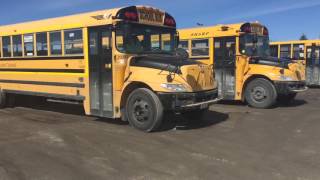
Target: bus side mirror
[{"x": 182, "y": 53}]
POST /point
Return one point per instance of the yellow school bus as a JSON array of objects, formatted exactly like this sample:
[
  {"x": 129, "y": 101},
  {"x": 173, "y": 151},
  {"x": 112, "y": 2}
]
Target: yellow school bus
[
  {"x": 305, "y": 52},
  {"x": 243, "y": 66},
  {"x": 120, "y": 63}
]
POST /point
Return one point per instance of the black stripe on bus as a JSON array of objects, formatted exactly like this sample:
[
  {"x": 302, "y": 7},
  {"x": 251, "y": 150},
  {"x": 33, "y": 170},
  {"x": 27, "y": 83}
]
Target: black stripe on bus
[
  {"x": 43, "y": 70},
  {"x": 76, "y": 85},
  {"x": 49, "y": 95},
  {"x": 199, "y": 59},
  {"x": 42, "y": 58}
]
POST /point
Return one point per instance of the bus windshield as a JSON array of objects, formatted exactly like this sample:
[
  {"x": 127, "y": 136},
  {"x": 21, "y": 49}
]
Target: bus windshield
[
  {"x": 254, "y": 45},
  {"x": 143, "y": 39}
]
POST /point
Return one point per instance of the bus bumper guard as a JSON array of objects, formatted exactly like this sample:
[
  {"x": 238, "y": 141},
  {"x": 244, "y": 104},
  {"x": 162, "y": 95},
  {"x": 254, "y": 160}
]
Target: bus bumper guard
[
  {"x": 188, "y": 101},
  {"x": 287, "y": 87}
]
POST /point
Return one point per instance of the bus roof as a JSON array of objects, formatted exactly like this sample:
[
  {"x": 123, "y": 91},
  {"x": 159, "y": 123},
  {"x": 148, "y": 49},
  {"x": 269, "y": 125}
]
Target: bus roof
[
  {"x": 209, "y": 31},
  {"x": 95, "y": 18},
  {"x": 317, "y": 41}
]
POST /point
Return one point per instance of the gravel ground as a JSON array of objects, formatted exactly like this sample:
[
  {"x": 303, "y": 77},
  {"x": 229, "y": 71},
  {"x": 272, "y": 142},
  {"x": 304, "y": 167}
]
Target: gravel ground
[{"x": 56, "y": 141}]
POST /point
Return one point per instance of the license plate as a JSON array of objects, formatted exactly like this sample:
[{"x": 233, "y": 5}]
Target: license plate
[{"x": 204, "y": 106}]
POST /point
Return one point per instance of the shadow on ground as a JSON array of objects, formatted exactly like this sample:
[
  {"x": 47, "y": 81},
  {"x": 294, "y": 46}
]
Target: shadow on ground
[
  {"x": 171, "y": 120},
  {"x": 294, "y": 103},
  {"x": 178, "y": 122},
  {"x": 233, "y": 103},
  {"x": 39, "y": 103}
]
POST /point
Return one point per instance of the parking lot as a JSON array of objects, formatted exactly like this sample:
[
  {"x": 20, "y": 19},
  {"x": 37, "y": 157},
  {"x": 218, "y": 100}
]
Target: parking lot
[{"x": 56, "y": 141}]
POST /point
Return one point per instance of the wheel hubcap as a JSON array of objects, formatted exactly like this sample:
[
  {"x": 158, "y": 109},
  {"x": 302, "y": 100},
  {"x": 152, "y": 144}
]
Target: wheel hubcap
[
  {"x": 141, "y": 110},
  {"x": 259, "y": 94}
]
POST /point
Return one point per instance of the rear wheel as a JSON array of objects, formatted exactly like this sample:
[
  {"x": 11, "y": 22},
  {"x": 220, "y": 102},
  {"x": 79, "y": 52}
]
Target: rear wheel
[
  {"x": 144, "y": 110},
  {"x": 286, "y": 98},
  {"x": 260, "y": 93}
]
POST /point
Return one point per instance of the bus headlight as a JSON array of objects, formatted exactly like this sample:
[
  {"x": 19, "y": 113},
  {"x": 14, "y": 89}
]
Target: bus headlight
[{"x": 174, "y": 87}]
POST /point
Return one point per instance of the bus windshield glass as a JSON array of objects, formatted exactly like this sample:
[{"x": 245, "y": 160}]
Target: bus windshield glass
[
  {"x": 143, "y": 39},
  {"x": 254, "y": 45}
]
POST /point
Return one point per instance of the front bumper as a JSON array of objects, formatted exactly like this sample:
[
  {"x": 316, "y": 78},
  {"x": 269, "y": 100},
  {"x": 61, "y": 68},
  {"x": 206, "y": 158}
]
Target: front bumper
[
  {"x": 289, "y": 87},
  {"x": 188, "y": 101}
]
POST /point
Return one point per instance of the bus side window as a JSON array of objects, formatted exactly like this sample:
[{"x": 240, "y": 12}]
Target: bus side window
[
  {"x": 106, "y": 43},
  {"x": 218, "y": 53},
  {"x": 200, "y": 47},
  {"x": 274, "y": 51},
  {"x": 166, "y": 42},
  {"x": 231, "y": 47},
  {"x": 184, "y": 44},
  {"x": 298, "y": 51},
  {"x": 28, "y": 45},
  {"x": 120, "y": 43},
  {"x": 17, "y": 45},
  {"x": 55, "y": 43},
  {"x": 6, "y": 46},
  {"x": 155, "y": 41},
  {"x": 93, "y": 48},
  {"x": 285, "y": 51},
  {"x": 42, "y": 44},
  {"x": 73, "y": 41}
]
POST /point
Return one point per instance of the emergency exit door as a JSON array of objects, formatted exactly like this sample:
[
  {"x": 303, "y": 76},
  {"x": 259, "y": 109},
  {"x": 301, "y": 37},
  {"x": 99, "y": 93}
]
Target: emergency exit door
[
  {"x": 100, "y": 66},
  {"x": 313, "y": 66}
]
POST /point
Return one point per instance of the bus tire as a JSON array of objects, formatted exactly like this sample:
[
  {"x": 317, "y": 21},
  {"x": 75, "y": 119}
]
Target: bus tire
[
  {"x": 2, "y": 99},
  {"x": 286, "y": 98},
  {"x": 144, "y": 110},
  {"x": 260, "y": 93}
]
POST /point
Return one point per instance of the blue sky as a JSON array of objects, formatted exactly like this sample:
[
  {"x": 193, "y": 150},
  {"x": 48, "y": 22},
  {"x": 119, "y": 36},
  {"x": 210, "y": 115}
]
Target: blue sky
[{"x": 286, "y": 19}]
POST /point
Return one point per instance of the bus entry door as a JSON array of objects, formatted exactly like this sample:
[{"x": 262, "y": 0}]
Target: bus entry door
[
  {"x": 100, "y": 65},
  {"x": 313, "y": 66},
  {"x": 225, "y": 66}
]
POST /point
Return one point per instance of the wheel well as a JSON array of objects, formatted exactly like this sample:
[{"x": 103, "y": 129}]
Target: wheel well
[
  {"x": 251, "y": 79},
  {"x": 131, "y": 87}
]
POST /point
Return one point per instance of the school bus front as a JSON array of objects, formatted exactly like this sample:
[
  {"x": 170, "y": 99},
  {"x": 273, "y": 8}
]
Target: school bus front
[
  {"x": 243, "y": 66},
  {"x": 305, "y": 53},
  {"x": 120, "y": 63}
]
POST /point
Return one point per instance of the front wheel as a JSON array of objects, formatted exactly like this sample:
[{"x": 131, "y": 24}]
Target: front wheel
[
  {"x": 144, "y": 110},
  {"x": 260, "y": 93}
]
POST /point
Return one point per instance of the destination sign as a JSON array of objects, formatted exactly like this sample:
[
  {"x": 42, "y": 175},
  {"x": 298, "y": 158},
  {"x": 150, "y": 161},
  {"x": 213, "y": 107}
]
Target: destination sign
[
  {"x": 151, "y": 16},
  {"x": 256, "y": 28}
]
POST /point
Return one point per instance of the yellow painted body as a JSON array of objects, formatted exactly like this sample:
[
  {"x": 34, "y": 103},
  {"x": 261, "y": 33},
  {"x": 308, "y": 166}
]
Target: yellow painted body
[
  {"x": 244, "y": 71},
  {"x": 123, "y": 74}
]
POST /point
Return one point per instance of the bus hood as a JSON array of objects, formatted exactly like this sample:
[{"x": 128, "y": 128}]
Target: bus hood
[
  {"x": 270, "y": 61},
  {"x": 198, "y": 76},
  {"x": 297, "y": 68},
  {"x": 162, "y": 62}
]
